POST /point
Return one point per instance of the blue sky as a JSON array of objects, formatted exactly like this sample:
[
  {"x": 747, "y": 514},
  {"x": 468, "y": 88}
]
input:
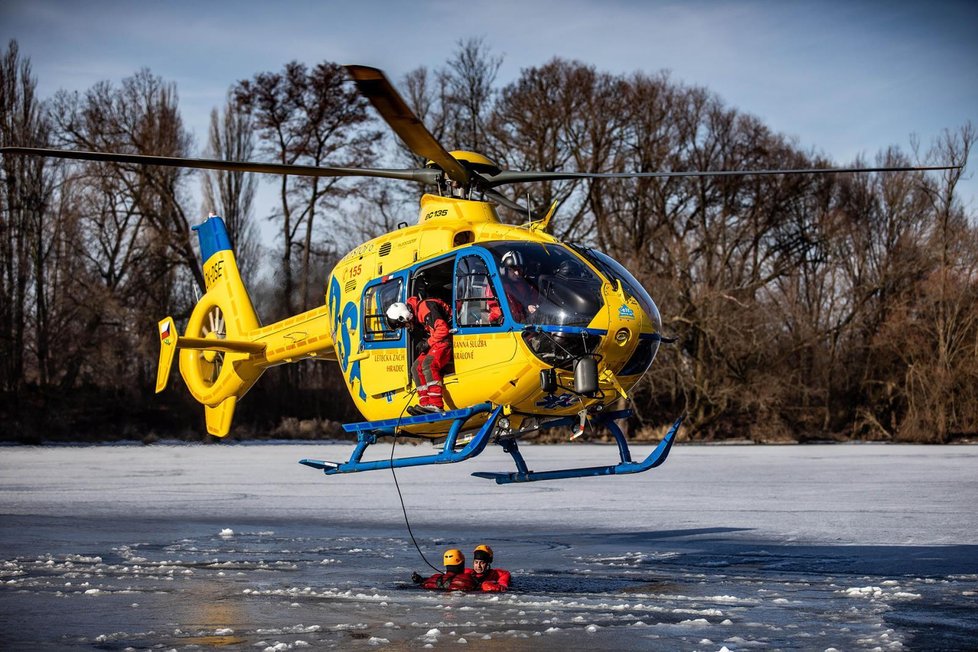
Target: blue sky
[{"x": 843, "y": 78}]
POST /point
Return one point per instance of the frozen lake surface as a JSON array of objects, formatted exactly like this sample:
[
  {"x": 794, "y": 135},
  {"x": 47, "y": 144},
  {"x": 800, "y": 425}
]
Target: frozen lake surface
[{"x": 851, "y": 547}]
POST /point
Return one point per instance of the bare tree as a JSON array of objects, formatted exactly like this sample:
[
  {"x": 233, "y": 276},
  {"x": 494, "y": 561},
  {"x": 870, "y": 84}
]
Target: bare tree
[
  {"x": 130, "y": 234},
  {"x": 454, "y": 103},
  {"x": 725, "y": 240},
  {"x": 141, "y": 116},
  {"x": 468, "y": 80},
  {"x": 26, "y": 192},
  {"x": 315, "y": 118},
  {"x": 942, "y": 325},
  {"x": 883, "y": 221},
  {"x": 426, "y": 94},
  {"x": 541, "y": 123},
  {"x": 232, "y": 194}
]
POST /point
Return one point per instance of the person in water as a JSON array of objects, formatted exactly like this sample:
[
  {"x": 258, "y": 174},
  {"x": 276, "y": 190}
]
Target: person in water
[
  {"x": 455, "y": 577},
  {"x": 484, "y": 576}
]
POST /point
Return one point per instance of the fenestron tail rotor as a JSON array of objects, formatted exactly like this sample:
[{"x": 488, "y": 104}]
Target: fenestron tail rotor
[{"x": 210, "y": 360}]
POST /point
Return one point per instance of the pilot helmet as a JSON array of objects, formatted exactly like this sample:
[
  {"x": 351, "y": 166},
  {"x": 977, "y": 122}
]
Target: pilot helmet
[{"x": 512, "y": 260}]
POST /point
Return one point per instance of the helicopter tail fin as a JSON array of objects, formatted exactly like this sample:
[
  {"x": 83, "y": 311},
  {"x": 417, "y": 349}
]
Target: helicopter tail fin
[
  {"x": 219, "y": 417},
  {"x": 168, "y": 348},
  {"x": 220, "y": 358}
]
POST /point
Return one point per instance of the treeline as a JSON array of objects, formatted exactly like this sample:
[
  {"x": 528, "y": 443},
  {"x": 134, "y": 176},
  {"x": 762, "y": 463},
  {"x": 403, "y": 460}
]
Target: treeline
[{"x": 805, "y": 307}]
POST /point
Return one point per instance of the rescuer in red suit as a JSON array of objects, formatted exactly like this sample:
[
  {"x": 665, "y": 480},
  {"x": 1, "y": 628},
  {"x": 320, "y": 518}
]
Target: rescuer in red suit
[
  {"x": 455, "y": 578},
  {"x": 436, "y": 351},
  {"x": 484, "y": 576}
]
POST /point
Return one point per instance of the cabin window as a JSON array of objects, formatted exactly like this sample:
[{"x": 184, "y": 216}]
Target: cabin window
[
  {"x": 434, "y": 281},
  {"x": 473, "y": 292},
  {"x": 377, "y": 298}
]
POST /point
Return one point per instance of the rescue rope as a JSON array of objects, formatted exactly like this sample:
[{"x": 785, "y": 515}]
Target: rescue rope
[{"x": 407, "y": 522}]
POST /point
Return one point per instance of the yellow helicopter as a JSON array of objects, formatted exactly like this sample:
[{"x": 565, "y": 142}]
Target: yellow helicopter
[{"x": 589, "y": 335}]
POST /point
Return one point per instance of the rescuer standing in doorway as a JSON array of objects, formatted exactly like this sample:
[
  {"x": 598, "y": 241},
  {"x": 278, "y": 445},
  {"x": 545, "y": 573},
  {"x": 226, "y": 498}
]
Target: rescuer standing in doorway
[{"x": 436, "y": 351}]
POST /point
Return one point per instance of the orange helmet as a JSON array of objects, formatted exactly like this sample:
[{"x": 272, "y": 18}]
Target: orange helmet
[
  {"x": 483, "y": 552},
  {"x": 454, "y": 557}
]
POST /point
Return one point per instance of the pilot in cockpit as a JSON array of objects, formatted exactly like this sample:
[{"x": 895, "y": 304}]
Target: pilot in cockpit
[{"x": 523, "y": 298}]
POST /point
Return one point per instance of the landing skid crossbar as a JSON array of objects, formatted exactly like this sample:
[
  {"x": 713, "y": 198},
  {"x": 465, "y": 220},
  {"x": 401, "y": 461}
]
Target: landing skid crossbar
[
  {"x": 523, "y": 474},
  {"x": 368, "y": 431}
]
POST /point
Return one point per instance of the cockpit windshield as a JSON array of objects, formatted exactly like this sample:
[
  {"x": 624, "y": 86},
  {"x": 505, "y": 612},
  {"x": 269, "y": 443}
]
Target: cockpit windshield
[{"x": 545, "y": 284}]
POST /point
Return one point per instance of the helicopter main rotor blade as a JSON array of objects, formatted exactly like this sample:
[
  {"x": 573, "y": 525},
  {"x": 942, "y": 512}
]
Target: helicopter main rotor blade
[
  {"x": 420, "y": 175},
  {"x": 513, "y": 176},
  {"x": 375, "y": 86}
]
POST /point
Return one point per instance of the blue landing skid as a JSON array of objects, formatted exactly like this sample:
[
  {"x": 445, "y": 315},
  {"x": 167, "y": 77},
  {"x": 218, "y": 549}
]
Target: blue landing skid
[
  {"x": 655, "y": 458},
  {"x": 368, "y": 431}
]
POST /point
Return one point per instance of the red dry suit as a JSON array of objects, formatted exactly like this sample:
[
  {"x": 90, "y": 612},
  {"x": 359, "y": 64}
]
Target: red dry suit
[
  {"x": 449, "y": 582},
  {"x": 434, "y": 315},
  {"x": 494, "y": 580}
]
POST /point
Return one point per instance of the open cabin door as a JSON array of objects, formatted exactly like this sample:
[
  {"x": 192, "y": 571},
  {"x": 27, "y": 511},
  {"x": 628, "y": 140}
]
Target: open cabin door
[{"x": 432, "y": 281}]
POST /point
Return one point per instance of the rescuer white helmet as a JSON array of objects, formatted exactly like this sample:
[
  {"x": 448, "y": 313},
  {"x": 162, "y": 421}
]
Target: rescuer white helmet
[{"x": 399, "y": 314}]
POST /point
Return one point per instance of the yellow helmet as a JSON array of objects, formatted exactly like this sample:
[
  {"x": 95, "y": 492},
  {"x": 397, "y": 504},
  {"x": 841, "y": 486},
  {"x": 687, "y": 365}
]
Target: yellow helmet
[
  {"x": 454, "y": 557},
  {"x": 484, "y": 552}
]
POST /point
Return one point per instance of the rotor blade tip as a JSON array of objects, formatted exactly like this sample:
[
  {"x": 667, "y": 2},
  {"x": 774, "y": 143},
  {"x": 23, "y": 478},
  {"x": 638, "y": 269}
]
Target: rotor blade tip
[{"x": 364, "y": 73}]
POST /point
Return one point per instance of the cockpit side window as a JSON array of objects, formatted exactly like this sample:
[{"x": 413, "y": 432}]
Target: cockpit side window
[
  {"x": 547, "y": 284},
  {"x": 473, "y": 292},
  {"x": 377, "y": 298},
  {"x": 631, "y": 285}
]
